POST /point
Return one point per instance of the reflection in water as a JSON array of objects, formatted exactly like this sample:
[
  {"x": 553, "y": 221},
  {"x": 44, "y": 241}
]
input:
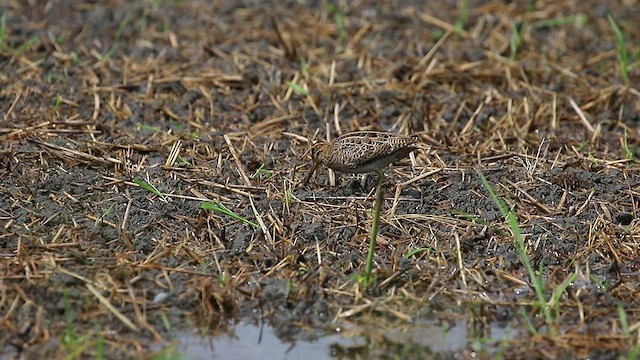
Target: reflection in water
[{"x": 253, "y": 342}]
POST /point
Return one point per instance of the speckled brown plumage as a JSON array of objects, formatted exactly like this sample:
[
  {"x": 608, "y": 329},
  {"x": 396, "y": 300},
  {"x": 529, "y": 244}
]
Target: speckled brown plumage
[{"x": 362, "y": 151}]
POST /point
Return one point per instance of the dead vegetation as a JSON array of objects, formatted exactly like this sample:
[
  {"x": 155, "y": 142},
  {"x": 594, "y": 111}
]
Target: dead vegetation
[{"x": 120, "y": 119}]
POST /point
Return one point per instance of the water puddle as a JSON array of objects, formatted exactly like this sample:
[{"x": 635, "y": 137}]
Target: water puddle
[
  {"x": 253, "y": 342},
  {"x": 250, "y": 341}
]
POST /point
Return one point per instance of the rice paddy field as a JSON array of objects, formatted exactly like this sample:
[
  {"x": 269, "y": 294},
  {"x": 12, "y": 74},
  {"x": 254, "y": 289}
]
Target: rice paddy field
[{"x": 152, "y": 157}]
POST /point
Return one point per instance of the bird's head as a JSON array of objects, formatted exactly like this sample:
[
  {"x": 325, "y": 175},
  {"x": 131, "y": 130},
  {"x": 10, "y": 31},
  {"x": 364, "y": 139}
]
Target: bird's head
[{"x": 318, "y": 151}]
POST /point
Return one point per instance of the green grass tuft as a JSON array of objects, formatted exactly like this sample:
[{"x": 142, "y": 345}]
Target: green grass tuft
[
  {"x": 623, "y": 54},
  {"x": 339, "y": 17},
  {"x": 515, "y": 41}
]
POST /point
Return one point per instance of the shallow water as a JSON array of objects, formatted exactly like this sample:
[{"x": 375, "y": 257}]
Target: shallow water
[{"x": 255, "y": 342}]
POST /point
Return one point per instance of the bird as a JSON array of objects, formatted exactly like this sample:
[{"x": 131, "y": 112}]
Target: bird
[{"x": 362, "y": 152}]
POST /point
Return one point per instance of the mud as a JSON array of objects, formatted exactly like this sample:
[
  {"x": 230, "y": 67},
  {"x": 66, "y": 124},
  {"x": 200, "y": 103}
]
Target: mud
[{"x": 103, "y": 91}]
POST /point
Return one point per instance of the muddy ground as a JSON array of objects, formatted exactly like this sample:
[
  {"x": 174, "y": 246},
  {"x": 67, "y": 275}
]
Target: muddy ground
[{"x": 95, "y": 95}]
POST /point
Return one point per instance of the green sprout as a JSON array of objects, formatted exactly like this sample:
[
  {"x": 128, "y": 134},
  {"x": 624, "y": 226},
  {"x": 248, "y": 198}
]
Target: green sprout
[
  {"x": 462, "y": 17},
  {"x": 119, "y": 32},
  {"x": 3, "y": 30},
  {"x": 150, "y": 128},
  {"x": 56, "y": 105},
  {"x": 634, "y": 348},
  {"x": 260, "y": 172},
  {"x": 578, "y": 20},
  {"x": 220, "y": 208},
  {"x": 102, "y": 216},
  {"x": 165, "y": 321},
  {"x": 536, "y": 279},
  {"x": 24, "y": 47},
  {"x": 366, "y": 280},
  {"x": 630, "y": 153},
  {"x": 415, "y": 252},
  {"x": 304, "y": 66},
  {"x": 150, "y": 188},
  {"x": 297, "y": 89},
  {"x": 623, "y": 54},
  {"x": 339, "y": 16},
  {"x": 517, "y": 32}
]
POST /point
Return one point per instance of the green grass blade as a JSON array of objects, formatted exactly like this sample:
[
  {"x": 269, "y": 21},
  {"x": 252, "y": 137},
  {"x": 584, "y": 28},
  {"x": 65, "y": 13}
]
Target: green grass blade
[
  {"x": 415, "y": 251},
  {"x": 165, "y": 321},
  {"x": 624, "y": 321},
  {"x": 23, "y": 48},
  {"x": 99, "y": 346},
  {"x": 261, "y": 171},
  {"x": 3, "y": 30},
  {"x": 578, "y": 20},
  {"x": 516, "y": 39},
  {"x": 150, "y": 188},
  {"x": 462, "y": 17},
  {"x": 512, "y": 221},
  {"x": 340, "y": 23},
  {"x": 220, "y": 208},
  {"x": 623, "y": 54},
  {"x": 297, "y": 89}
]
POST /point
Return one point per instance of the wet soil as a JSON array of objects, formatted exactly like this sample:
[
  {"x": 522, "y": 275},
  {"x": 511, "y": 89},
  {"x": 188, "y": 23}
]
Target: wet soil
[{"x": 95, "y": 95}]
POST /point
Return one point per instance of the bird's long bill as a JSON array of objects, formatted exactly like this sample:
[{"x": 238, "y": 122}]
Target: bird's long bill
[{"x": 313, "y": 168}]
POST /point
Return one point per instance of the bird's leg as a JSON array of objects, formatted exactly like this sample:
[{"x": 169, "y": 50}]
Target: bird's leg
[{"x": 363, "y": 181}]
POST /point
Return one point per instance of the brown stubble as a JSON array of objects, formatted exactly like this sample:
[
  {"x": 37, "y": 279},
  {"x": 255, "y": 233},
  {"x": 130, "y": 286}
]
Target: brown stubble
[{"x": 553, "y": 128}]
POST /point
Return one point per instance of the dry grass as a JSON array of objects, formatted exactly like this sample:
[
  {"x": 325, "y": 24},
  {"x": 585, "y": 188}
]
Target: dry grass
[{"x": 211, "y": 102}]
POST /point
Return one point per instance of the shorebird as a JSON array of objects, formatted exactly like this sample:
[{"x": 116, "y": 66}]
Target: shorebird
[{"x": 361, "y": 152}]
